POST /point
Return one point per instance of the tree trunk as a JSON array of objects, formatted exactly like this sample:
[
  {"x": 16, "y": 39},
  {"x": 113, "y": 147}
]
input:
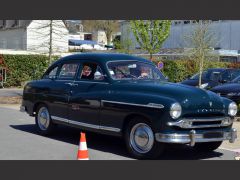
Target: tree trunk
[
  {"x": 151, "y": 56},
  {"x": 108, "y": 36},
  {"x": 201, "y": 70},
  {"x": 50, "y": 41}
]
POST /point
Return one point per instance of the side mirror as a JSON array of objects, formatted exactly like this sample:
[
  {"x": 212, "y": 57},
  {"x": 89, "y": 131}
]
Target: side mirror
[{"x": 189, "y": 76}]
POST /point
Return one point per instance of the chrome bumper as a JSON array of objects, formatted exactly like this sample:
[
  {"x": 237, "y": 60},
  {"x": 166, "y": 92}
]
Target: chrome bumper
[
  {"x": 193, "y": 137},
  {"x": 22, "y": 109}
]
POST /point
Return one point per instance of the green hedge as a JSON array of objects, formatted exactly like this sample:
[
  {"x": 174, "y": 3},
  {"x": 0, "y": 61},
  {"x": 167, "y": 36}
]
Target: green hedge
[{"x": 22, "y": 68}]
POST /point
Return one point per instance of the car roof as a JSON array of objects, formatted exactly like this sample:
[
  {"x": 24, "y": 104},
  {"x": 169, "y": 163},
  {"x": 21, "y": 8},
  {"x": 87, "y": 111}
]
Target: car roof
[
  {"x": 102, "y": 57},
  {"x": 222, "y": 69}
]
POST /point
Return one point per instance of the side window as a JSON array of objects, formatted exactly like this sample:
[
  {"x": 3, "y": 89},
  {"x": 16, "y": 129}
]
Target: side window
[
  {"x": 91, "y": 71},
  {"x": 51, "y": 74},
  {"x": 68, "y": 71}
]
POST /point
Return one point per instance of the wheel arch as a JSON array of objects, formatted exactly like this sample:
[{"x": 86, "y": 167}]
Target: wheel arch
[
  {"x": 36, "y": 105},
  {"x": 131, "y": 116}
]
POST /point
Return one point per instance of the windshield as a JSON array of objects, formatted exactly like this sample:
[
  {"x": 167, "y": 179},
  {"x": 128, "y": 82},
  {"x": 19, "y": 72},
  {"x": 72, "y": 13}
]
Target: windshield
[
  {"x": 208, "y": 75},
  {"x": 236, "y": 80},
  {"x": 196, "y": 76},
  {"x": 123, "y": 70}
]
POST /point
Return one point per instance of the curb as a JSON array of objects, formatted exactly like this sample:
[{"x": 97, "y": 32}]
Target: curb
[{"x": 11, "y": 100}]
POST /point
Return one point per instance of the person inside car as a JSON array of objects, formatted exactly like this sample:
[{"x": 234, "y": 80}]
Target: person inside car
[{"x": 86, "y": 72}]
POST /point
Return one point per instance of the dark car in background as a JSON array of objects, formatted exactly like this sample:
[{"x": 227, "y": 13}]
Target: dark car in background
[
  {"x": 230, "y": 90},
  {"x": 213, "y": 77}
]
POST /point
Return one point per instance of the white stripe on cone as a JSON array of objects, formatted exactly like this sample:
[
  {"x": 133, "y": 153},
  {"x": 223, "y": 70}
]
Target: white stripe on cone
[
  {"x": 83, "y": 159},
  {"x": 83, "y": 146}
]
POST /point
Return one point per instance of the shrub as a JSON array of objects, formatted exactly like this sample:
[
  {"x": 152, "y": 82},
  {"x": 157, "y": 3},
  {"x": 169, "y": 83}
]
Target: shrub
[
  {"x": 179, "y": 70},
  {"x": 22, "y": 68}
]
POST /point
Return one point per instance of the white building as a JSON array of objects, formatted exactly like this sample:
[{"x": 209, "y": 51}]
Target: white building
[
  {"x": 33, "y": 35},
  {"x": 226, "y": 31}
]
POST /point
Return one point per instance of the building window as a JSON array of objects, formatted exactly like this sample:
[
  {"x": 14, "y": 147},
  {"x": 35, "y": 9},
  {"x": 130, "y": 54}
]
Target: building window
[
  {"x": 4, "y": 23},
  {"x": 195, "y": 21},
  {"x": 87, "y": 36},
  {"x": 177, "y": 22},
  {"x": 16, "y": 22},
  {"x": 186, "y": 22}
]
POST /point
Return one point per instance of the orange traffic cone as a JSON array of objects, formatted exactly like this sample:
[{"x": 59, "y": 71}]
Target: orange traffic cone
[{"x": 82, "y": 150}]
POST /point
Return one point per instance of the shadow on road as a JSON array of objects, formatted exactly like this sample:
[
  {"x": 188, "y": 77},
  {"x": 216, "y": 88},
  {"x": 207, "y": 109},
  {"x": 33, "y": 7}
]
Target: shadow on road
[{"x": 116, "y": 145}]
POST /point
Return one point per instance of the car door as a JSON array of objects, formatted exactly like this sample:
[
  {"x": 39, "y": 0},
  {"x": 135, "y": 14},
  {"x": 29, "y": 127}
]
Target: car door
[
  {"x": 86, "y": 93},
  {"x": 60, "y": 90}
]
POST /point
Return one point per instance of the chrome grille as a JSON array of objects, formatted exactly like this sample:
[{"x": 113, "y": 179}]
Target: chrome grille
[{"x": 193, "y": 123}]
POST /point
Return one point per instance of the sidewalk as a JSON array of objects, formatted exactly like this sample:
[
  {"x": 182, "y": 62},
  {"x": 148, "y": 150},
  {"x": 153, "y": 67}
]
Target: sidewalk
[{"x": 11, "y": 95}]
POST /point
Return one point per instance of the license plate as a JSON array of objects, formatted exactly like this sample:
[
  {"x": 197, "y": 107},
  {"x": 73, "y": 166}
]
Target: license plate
[{"x": 213, "y": 135}]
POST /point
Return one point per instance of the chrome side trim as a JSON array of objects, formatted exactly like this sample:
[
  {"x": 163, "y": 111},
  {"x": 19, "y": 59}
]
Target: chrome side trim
[
  {"x": 106, "y": 128},
  {"x": 150, "y": 105},
  {"x": 193, "y": 137},
  {"x": 59, "y": 119},
  {"x": 91, "y": 82}
]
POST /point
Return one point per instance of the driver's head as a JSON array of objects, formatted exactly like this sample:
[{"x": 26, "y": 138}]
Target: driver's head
[{"x": 86, "y": 71}]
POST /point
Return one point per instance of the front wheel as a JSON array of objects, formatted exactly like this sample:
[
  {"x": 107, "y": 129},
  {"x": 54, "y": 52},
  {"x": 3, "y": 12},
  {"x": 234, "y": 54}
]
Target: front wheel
[
  {"x": 140, "y": 140},
  {"x": 207, "y": 146},
  {"x": 43, "y": 120}
]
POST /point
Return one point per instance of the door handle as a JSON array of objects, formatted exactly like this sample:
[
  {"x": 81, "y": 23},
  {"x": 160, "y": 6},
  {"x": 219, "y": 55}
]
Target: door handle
[
  {"x": 72, "y": 84},
  {"x": 69, "y": 84}
]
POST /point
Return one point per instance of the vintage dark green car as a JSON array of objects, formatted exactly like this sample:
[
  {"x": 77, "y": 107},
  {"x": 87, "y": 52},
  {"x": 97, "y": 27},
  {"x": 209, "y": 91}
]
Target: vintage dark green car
[{"x": 128, "y": 96}]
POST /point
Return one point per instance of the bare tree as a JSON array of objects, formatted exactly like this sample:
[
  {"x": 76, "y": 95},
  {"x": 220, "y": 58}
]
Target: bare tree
[
  {"x": 202, "y": 39},
  {"x": 48, "y": 36},
  {"x": 108, "y": 26}
]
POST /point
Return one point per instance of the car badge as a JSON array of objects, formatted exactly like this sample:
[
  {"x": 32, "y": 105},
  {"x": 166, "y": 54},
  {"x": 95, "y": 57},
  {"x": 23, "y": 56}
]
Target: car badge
[{"x": 210, "y": 103}]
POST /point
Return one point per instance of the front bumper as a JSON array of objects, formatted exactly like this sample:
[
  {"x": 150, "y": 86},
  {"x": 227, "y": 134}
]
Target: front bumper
[
  {"x": 197, "y": 137},
  {"x": 22, "y": 108}
]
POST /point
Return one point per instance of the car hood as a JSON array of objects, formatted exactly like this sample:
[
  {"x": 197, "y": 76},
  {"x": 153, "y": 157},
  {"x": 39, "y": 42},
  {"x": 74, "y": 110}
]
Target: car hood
[
  {"x": 189, "y": 97},
  {"x": 227, "y": 88},
  {"x": 194, "y": 82}
]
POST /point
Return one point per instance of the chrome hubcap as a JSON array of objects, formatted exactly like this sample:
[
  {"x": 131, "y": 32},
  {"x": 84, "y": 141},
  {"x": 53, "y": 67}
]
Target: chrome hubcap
[
  {"x": 141, "y": 138},
  {"x": 43, "y": 118}
]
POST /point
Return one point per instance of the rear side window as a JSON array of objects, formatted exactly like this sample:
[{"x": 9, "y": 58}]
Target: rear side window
[
  {"x": 68, "y": 71},
  {"x": 52, "y": 74}
]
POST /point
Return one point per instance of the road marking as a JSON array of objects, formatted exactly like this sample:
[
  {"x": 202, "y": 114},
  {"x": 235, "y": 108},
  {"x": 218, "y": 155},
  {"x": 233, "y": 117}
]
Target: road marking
[{"x": 232, "y": 150}]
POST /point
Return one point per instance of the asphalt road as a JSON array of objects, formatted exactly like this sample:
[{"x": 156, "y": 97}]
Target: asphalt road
[{"x": 20, "y": 141}]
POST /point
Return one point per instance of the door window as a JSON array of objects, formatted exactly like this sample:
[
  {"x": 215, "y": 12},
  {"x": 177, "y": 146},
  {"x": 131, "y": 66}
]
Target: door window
[
  {"x": 68, "y": 71},
  {"x": 91, "y": 71}
]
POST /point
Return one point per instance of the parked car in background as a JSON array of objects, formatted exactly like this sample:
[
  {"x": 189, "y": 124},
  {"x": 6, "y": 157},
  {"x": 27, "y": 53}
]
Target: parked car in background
[
  {"x": 213, "y": 77},
  {"x": 230, "y": 90},
  {"x": 128, "y": 96}
]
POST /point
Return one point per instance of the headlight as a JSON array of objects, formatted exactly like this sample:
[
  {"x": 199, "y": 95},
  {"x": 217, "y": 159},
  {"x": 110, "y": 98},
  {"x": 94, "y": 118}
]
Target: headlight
[
  {"x": 175, "y": 110},
  {"x": 203, "y": 86},
  {"x": 232, "y": 109}
]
